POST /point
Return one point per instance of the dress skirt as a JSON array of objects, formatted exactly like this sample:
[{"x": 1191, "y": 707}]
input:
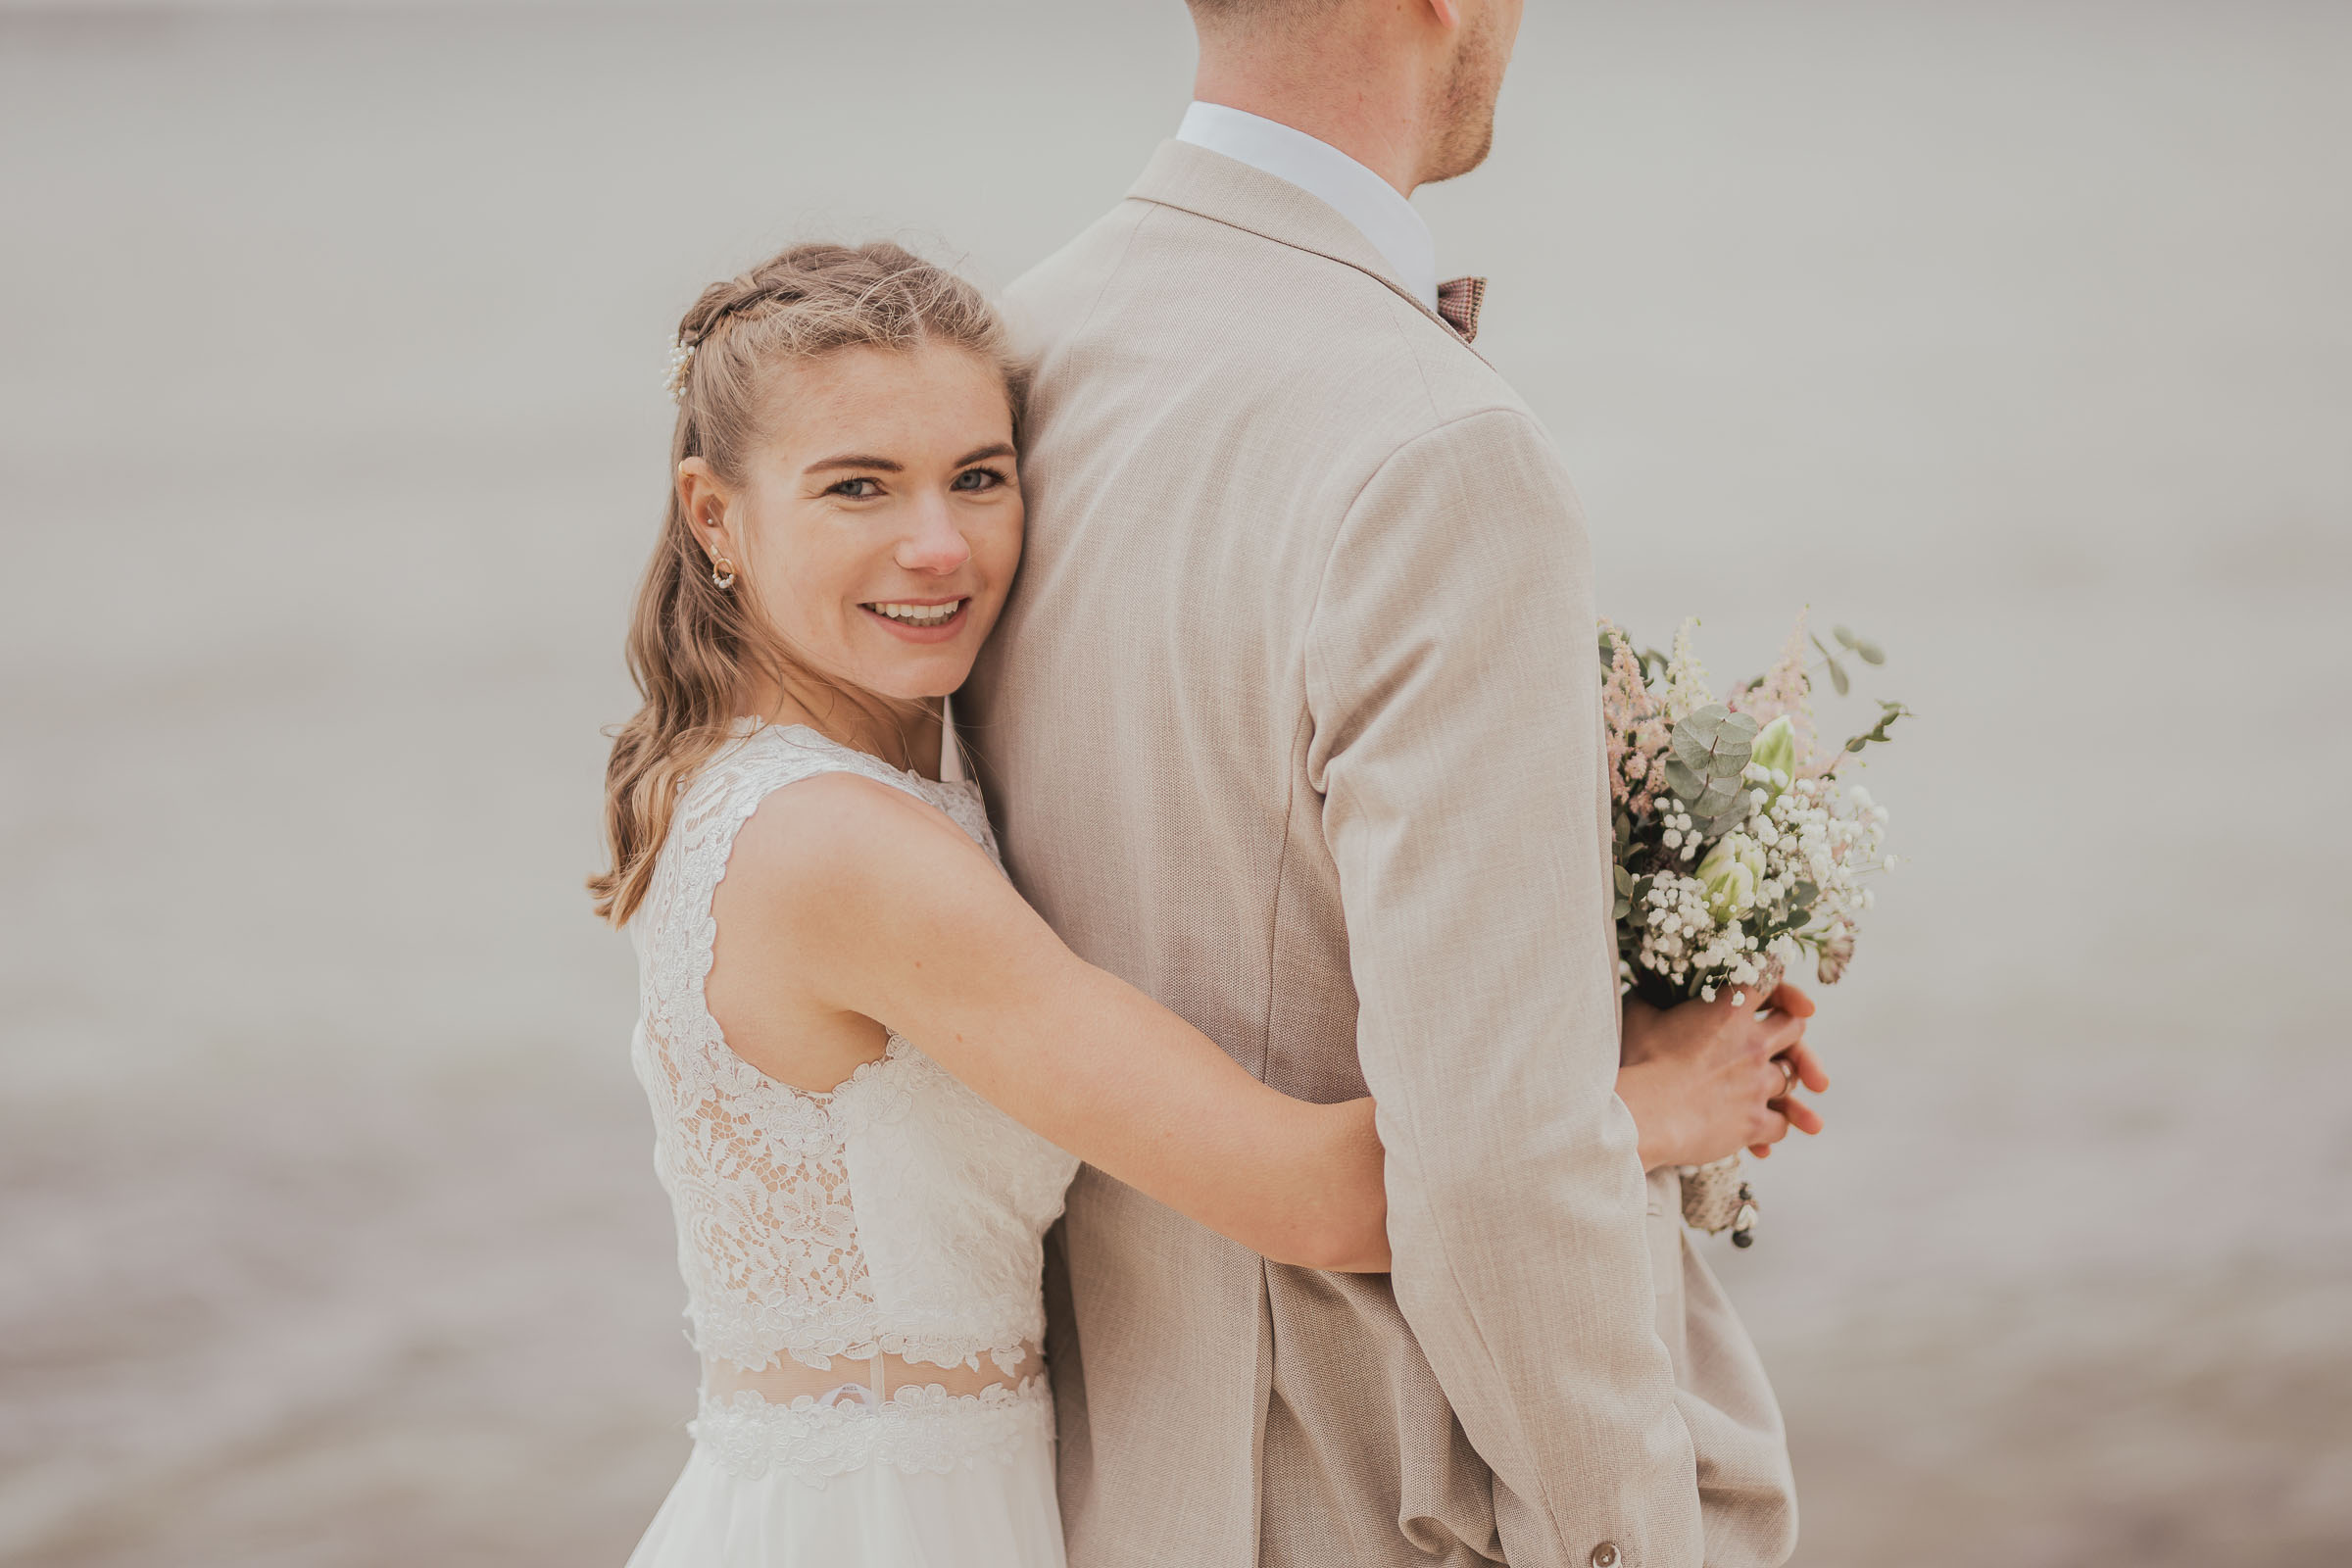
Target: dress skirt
[{"x": 951, "y": 1485}]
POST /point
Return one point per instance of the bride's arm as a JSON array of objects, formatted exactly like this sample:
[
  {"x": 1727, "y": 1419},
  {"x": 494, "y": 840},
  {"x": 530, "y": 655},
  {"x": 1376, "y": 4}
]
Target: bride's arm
[{"x": 890, "y": 912}]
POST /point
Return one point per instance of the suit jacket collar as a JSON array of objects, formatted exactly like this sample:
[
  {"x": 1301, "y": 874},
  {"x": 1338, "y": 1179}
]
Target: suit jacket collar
[{"x": 1228, "y": 191}]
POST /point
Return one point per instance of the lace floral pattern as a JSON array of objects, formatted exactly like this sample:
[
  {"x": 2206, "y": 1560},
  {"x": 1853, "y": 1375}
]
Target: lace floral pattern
[
  {"x": 926, "y": 1429},
  {"x": 899, "y": 1213}
]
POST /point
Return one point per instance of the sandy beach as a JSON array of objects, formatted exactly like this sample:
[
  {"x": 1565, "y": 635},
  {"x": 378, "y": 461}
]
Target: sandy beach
[{"x": 331, "y": 439}]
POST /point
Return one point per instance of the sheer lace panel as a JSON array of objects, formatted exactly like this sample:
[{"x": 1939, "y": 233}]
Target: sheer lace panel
[{"x": 869, "y": 1381}]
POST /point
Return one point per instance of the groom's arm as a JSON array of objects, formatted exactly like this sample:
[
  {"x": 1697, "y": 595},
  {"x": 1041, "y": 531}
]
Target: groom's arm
[{"x": 1456, "y": 742}]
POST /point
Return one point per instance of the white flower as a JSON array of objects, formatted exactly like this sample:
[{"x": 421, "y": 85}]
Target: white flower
[
  {"x": 1686, "y": 690},
  {"x": 1775, "y": 747},
  {"x": 1731, "y": 872}
]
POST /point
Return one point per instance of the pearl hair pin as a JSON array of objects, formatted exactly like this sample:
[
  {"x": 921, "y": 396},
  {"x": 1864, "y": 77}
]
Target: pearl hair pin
[{"x": 681, "y": 364}]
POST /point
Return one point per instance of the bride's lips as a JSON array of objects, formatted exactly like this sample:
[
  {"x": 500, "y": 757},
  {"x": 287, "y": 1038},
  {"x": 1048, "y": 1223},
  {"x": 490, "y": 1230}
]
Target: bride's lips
[{"x": 918, "y": 632}]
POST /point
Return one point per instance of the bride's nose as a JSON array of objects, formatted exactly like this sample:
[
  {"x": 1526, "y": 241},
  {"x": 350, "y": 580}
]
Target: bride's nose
[{"x": 936, "y": 544}]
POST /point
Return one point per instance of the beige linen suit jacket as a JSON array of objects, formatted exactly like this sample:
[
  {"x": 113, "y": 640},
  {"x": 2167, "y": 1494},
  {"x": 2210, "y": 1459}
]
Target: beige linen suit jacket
[{"x": 1292, "y": 722}]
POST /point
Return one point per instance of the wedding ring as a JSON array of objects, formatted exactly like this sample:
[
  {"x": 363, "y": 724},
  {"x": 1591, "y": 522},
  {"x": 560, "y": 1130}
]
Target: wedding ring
[{"x": 1787, "y": 1077}]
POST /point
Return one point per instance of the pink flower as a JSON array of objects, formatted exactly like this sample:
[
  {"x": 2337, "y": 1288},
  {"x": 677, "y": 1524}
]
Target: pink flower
[
  {"x": 1635, "y": 730},
  {"x": 1785, "y": 691}
]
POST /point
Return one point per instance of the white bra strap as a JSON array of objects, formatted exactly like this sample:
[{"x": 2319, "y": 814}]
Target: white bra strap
[{"x": 951, "y": 755}]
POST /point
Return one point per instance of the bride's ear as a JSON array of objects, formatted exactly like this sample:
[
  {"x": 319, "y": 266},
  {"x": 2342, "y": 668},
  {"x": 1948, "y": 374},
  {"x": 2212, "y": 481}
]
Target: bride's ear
[{"x": 704, "y": 502}]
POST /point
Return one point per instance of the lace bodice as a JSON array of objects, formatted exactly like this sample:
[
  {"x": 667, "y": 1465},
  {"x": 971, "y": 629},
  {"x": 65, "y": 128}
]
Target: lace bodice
[{"x": 901, "y": 1214}]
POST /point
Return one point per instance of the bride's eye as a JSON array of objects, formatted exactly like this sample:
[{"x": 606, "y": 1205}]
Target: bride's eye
[
  {"x": 977, "y": 479},
  {"x": 854, "y": 489}
]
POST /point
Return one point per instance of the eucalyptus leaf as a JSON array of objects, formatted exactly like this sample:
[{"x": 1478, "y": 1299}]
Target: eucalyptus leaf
[
  {"x": 1838, "y": 678},
  {"x": 1683, "y": 781},
  {"x": 1623, "y": 909},
  {"x": 1889, "y": 713},
  {"x": 1870, "y": 652},
  {"x": 1718, "y": 800},
  {"x": 1713, "y": 742},
  {"x": 1691, "y": 750},
  {"x": 1625, "y": 880},
  {"x": 1846, "y": 637}
]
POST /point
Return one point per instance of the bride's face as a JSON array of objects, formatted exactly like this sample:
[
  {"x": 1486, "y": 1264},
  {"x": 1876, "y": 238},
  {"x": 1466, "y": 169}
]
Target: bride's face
[{"x": 879, "y": 523}]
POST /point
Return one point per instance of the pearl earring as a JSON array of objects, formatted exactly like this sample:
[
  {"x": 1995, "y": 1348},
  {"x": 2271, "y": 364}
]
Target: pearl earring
[{"x": 722, "y": 572}]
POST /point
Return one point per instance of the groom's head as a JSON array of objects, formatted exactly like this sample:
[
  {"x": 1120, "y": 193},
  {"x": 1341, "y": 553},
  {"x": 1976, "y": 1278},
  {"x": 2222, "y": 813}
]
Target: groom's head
[{"x": 1404, "y": 86}]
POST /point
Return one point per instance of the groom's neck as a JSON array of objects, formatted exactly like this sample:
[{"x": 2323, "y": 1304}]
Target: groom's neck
[{"x": 1371, "y": 88}]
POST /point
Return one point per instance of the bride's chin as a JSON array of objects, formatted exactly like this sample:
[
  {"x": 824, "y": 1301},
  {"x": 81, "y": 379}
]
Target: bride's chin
[{"x": 936, "y": 678}]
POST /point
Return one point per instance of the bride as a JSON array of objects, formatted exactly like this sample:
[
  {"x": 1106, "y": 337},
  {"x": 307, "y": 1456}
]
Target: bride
[{"x": 873, "y": 1068}]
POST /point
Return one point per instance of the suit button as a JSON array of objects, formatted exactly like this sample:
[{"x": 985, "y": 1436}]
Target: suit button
[{"x": 1605, "y": 1556}]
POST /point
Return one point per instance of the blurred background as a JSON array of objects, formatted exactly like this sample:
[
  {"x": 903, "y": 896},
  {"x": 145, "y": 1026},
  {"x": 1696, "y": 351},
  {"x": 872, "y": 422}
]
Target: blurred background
[{"x": 2016, "y": 335}]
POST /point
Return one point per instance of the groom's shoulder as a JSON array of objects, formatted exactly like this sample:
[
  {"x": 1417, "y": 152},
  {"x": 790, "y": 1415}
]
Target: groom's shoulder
[
  {"x": 1047, "y": 304},
  {"x": 1267, "y": 330}
]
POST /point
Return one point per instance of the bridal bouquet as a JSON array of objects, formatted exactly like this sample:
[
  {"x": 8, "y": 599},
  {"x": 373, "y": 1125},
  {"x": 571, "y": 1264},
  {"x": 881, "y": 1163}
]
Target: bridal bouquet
[{"x": 1738, "y": 844}]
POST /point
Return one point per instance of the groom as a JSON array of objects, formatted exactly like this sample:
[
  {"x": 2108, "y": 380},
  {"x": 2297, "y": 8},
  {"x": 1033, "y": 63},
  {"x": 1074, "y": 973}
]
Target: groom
[{"x": 1294, "y": 724}]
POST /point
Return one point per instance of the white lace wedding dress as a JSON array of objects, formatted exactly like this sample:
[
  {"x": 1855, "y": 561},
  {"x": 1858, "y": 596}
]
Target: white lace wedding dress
[{"x": 862, "y": 1267}]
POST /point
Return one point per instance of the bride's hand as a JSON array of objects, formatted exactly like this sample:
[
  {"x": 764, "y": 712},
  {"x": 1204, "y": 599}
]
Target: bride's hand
[{"x": 1705, "y": 1080}]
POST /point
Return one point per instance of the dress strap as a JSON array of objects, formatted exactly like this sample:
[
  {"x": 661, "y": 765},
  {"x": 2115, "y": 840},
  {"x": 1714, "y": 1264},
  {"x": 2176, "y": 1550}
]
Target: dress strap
[{"x": 951, "y": 755}]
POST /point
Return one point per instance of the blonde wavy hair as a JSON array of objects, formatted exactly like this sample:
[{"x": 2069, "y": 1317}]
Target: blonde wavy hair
[{"x": 693, "y": 648}]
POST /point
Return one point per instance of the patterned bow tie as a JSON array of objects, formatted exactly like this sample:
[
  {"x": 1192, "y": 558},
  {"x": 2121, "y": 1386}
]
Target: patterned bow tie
[{"x": 1459, "y": 300}]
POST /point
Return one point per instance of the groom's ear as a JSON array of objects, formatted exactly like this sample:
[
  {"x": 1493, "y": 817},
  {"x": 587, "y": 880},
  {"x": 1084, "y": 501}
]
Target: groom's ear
[{"x": 1449, "y": 13}]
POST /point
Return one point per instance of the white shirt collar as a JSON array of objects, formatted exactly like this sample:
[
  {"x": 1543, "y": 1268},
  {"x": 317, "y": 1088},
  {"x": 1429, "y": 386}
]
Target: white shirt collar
[{"x": 1323, "y": 172}]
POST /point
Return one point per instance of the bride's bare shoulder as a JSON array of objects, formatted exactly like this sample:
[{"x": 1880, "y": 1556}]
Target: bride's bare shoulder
[
  {"x": 836, "y": 843},
  {"x": 859, "y": 897}
]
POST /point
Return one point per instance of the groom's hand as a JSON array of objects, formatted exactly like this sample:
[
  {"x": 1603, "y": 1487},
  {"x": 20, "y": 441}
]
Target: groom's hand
[{"x": 1705, "y": 1079}]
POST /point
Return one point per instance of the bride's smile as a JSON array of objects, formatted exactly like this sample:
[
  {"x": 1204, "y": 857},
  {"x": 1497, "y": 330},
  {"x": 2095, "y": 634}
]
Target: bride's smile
[{"x": 914, "y": 620}]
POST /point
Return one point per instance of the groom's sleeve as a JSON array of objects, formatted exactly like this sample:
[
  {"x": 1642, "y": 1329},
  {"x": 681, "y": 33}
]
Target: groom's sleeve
[{"x": 1454, "y": 695}]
